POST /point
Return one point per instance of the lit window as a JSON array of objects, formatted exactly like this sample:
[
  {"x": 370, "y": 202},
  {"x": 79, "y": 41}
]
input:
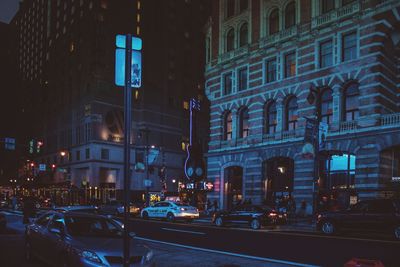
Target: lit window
[
  {"x": 138, "y": 5},
  {"x": 71, "y": 47},
  {"x": 228, "y": 126},
  {"x": 186, "y": 105},
  {"x": 138, "y": 18},
  {"x": 290, "y": 64},
  {"x": 291, "y": 114},
  {"x": 244, "y": 123}
]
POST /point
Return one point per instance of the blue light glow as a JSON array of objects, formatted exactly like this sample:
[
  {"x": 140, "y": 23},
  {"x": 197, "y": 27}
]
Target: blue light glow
[
  {"x": 120, "y": 42},
  {"x": 136, "y": 69}
]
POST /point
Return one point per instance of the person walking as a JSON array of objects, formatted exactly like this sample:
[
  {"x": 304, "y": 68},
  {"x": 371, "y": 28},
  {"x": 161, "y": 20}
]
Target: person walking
[
  {"x": 14, "y": 202},
  {"x": 208, "y": 207},
  {"x": 215, "y": 205},
  {"x": 303, "y": 208}
]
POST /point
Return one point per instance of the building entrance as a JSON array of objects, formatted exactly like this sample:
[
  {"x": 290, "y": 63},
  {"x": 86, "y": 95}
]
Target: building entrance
[{"x": 233, "y": 177}]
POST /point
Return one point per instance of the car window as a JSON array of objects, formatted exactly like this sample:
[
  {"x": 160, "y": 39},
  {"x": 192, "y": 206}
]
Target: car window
[
  {"x": 92, "y": 226},
  {"x": 166, "y": 204},
  {"x": 44, "y": 219},
  {"x": 158, "y": 205},
  {"x": 380, "y": 206},
  {"x": 56, "y": 222}
]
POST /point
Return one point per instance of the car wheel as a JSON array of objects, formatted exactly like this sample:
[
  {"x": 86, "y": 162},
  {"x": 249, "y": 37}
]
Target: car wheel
[
  {"x": 145, "y": 215},
  {"x": 328, "y": 228},
  {"x": 397, "y": 232},
  {"x": 170, "y": 217},
  {"x": 219, "y": 222},
  {"x": 255, "y": 224},
  {"x": 28, "y": 252}
]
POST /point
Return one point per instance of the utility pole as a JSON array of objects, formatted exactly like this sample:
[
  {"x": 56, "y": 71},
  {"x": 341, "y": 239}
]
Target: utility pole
[{"x": 127, "y": 141}]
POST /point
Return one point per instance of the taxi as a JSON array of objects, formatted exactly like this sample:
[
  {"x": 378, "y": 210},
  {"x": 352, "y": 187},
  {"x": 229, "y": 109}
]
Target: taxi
[{"x": 170, "y": 211}]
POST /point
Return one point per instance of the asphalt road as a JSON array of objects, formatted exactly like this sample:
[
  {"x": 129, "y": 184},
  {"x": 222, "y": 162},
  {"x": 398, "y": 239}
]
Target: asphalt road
[{"x": 294, "y": 247}]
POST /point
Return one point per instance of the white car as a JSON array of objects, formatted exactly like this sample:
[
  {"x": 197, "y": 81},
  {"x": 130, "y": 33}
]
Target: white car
[{"x": 171, "y": 211}]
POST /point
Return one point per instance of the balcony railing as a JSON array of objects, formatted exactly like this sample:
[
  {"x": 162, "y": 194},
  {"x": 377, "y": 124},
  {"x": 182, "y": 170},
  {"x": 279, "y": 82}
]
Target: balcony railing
[
  {"x": 232, "y": 54},
  {"x": 348, "y": 126},
  {"x": 288, "y": 134},
  {"x": 279, "y": 36},
  {"x": 335, "y": 14},
  {"x": 390, "y": 119},
  {"x": 268, "y": 137}
]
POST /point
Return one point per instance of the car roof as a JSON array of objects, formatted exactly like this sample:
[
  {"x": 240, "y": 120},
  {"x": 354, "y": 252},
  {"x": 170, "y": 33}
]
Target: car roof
[
  {"x": 82, "y": 214},
  {"x": 71, "y": 208}
]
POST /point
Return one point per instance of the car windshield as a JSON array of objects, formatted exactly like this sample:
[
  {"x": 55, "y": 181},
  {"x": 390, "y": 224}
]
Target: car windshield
[
  {"x": 92, "y": 226},
  {"x": 182, "y": 204}
]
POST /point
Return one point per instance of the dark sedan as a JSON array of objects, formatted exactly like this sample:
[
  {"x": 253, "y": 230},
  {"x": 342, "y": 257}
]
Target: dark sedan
[
  {"x": 378, "y": 215},
  {"x": 80, "y": 239},
  {"x": 253, "y": 215}
]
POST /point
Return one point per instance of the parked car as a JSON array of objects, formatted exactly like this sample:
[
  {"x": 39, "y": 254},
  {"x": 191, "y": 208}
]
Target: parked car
[
  {"x": 378, "y": 215},
  {"x": 170, "y": 211},
  {"x": 253, "y": 215},
  {"x": 116, "y": 208},
  {"x": 3, "y": 222},
  {"x": 81, "y": 239},
  {"x": 79, "y": 208}
]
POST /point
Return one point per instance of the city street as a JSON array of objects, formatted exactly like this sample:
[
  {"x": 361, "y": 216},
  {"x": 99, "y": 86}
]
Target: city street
[{"x": 306, "y": 248}]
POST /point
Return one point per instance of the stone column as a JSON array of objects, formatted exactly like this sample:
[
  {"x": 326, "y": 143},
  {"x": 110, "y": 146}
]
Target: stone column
[
  {"x": 337, "y": 108},
  {"x": 235, "y": 121}
]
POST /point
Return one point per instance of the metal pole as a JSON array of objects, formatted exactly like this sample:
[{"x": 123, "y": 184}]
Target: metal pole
[
  {"x": 127, "y": 151},
  {"x": 147, "y": 167}
]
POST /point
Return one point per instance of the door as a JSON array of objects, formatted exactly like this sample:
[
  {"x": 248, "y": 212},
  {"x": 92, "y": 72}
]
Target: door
[
  {"x": 37, "y": 232},
  {"x": 53, "y": 242}
]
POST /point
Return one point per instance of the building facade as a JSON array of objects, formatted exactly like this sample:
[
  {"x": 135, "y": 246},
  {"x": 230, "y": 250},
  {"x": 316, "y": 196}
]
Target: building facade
[
  {"x": 79, "y": 114},
  {"x": 273, "y": 65}
]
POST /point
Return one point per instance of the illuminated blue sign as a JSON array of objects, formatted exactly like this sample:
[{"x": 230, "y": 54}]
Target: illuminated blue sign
[{"x": 136, "y": 65}]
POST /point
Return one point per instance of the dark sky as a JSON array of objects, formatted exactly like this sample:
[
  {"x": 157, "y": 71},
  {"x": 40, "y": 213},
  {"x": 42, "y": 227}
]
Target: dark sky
[{"x": 8, "y": 8}]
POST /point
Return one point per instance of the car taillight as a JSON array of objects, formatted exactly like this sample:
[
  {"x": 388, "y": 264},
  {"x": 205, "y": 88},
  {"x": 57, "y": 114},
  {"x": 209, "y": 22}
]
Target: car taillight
[{"x": 272, "y": 214}]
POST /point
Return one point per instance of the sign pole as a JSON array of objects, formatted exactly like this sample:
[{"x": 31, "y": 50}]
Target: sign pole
[{"x": 127, "y": 135}]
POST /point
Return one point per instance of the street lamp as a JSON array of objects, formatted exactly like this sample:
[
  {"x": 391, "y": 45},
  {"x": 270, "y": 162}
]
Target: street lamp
[{"x": 63, "y": 153}]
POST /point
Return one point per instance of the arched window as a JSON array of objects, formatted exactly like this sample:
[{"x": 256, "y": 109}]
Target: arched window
[
  {"x": 244, "y": 123},
  {"x": 274, "y": 21},
  {"x": 327, "y": 5},
  {"x": 291, "y": 113},
  {"x": 228, "y": 126},
  {"x": 230, "y": 8},
  {"x": 270, "y": 118},
  {"x": 243, "y": 5},
  {"x": 230, "y": 40},
  {"x": 351, "y": 94},
  {"x": 290, "y": 15},
  {"x": 243, "y": 35},
  {"x": 326, "y": 106}
]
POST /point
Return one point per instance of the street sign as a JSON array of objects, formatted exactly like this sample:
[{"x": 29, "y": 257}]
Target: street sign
[
  {"x": 136, "y": 61},
  {"x": 9, "y": 143},
  {"x": 323, "y": 132},
  {"x": 147, "y": 183},
  {"x": 42, "y": 167}
]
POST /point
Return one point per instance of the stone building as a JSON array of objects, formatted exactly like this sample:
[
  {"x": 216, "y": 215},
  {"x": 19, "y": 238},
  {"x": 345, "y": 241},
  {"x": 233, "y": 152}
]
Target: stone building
[{"x": 273, "y": 64}]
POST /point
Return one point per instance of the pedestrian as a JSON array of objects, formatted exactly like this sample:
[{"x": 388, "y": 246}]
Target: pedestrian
[
  {"x": 303, "y": 208},
  {"x": 208, "y": 207},
  {"x": 14, "y": 202},
  {"x": 28, "y": 209},
  {"x": 215, "y": 205}
]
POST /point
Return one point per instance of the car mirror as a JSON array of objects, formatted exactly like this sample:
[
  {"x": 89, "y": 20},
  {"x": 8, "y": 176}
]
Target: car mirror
[{"x": 132, "y": 234}]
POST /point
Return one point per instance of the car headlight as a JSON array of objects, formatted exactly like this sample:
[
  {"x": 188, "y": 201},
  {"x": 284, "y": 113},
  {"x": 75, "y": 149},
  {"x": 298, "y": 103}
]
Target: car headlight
[
  {"x": 148, "y": 257},
  {"x": 88, "y": 255}
]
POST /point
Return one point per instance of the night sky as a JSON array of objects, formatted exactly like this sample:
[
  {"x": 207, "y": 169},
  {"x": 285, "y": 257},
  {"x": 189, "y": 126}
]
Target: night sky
[{"x": 8, "y": 8}]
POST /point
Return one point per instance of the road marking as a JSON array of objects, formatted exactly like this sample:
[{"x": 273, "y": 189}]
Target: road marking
[
  {"x": 228, "y": 253},
  {"x": 183, "y": 231}
]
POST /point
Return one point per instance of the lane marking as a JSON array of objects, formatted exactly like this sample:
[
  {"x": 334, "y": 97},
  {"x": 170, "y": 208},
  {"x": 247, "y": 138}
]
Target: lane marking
[
  {"x": 183, "y": 231},
  {"x": 228, "y": 253}
]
